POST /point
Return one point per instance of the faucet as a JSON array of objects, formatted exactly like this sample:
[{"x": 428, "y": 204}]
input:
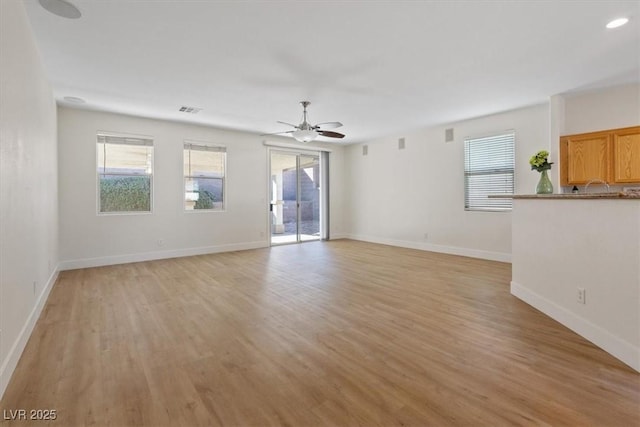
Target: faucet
[{"x": 586, "y": 187}]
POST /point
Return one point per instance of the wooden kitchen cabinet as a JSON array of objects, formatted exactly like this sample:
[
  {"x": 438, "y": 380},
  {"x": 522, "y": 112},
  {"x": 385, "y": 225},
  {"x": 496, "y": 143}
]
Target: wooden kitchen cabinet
[
  {"x": 586, "y": 157},
  {"x": 626, "y": 155},
  {"x": 612, "y": 156}
]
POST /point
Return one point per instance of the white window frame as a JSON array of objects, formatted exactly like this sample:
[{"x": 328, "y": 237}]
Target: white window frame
[
  {"x": 503, "y": 143},
  {"x": 186, "y": 175},
  {"x": 149, "y": 141}
]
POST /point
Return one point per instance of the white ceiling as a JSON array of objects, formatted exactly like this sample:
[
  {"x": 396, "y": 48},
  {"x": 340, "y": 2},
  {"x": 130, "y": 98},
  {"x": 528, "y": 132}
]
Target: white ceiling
[{"x": 379, "y": 67}]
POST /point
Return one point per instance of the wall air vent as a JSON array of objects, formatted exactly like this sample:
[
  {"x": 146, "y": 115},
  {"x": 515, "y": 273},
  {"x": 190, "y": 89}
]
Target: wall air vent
[
  {"x": 448, "y": 135},
  {"x": 189, "y": 110}
]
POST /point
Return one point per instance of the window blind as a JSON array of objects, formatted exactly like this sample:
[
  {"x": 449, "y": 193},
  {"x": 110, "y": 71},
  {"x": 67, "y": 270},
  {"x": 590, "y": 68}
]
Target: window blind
[
  {"x": 489, "y": 170},
  {"x": 204, "y": 160},
  {"x": 124, "y": 155},
  {"x": 204, "y": 147},
  {"x": 124, "y": 140}
]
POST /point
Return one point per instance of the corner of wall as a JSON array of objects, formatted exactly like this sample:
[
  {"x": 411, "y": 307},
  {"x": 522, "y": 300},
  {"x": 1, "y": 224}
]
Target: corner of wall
[
  {"x": 618, "y": 348},
  {"x": 11, "y": 361},
  {"x": 556, "y": 129}
]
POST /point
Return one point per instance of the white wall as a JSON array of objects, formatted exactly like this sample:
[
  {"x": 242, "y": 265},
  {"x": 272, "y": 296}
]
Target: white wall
[
  {"x": 560, "y": 245},
  {"x": 396, "y": 196},
  {"x": 88, "y": 239},
  {"x": 28, "y": 186},
  {"x": 608, "y": 108},
  {"x": 581, "y": 248}
]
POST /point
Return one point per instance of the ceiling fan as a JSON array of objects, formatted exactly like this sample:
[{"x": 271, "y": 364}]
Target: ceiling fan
[{"x": 306, "y": 132}]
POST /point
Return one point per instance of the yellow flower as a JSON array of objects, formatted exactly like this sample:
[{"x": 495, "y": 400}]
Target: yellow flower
[{"x": 539, "y": 161}]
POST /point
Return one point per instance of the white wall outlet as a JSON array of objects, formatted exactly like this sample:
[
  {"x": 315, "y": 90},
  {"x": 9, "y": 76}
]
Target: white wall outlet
[
  {"x": 582, "y": 296},
  {"x": 426, "y": 236},
  {"x": 160, "y": 243}
]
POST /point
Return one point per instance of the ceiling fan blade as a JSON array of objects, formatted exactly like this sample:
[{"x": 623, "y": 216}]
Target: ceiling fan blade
[
  {"x": 277, "y": 133},
  {"x": 329, "y": 125},
  {"x": 330, "y": 134},
  {"x": 289, "y": 124}
]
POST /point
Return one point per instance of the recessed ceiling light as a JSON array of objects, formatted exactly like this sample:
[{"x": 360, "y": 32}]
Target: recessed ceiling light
[
  {"x": 74, "y": 100},
  {"x": 617, "y": 22},
  {"x": 61, "y": 8}
]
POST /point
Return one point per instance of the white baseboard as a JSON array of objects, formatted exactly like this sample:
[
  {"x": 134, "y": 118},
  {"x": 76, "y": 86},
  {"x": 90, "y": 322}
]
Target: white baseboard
[
  {"x": 424, "y": 246},
  {"x": 150, "y": 256},
  {"x": 604, "y": 339},
  {"x": 13, "y": 356},
  {"x": 338, "y": 236}
]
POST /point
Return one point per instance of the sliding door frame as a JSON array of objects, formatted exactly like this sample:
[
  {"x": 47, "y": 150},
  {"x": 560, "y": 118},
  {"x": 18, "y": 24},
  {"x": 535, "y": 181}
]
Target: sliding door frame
[{"x": 323, "y": 161}]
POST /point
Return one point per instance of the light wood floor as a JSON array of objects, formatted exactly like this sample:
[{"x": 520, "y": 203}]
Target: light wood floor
[{"x": 337, "y": 333}]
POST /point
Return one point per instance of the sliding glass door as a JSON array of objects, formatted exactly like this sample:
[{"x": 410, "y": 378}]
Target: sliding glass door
[{"x": 295, "y": 197}]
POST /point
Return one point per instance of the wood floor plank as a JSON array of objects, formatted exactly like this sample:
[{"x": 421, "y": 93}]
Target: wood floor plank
[{"x": 339, "y": 333}]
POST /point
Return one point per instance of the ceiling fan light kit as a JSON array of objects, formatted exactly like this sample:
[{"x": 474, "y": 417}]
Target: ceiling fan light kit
[
  {"x": 306, "y": 132},
  {"x": 305, "y": 135}
]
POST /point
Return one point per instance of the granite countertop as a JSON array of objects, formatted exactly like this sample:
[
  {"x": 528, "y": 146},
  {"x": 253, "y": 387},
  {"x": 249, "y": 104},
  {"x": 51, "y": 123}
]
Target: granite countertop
[{"x": 569, "y": 196}]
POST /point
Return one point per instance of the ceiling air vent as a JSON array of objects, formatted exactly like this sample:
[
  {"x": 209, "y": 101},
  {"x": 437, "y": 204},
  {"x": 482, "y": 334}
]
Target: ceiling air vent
[{"x": 189, "y": 110}]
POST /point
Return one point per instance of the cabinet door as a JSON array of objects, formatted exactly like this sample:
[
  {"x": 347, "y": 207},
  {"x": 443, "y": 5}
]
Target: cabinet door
[
  {"x": 626, "y": 155},
  {"x": 588, "y": 158}
]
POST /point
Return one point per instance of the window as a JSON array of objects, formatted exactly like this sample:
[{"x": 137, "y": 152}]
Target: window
[
  {"x": 125, "y": 177},
  {"x": 488, "y": 169},
  {"x": 204, "y": 176}
]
